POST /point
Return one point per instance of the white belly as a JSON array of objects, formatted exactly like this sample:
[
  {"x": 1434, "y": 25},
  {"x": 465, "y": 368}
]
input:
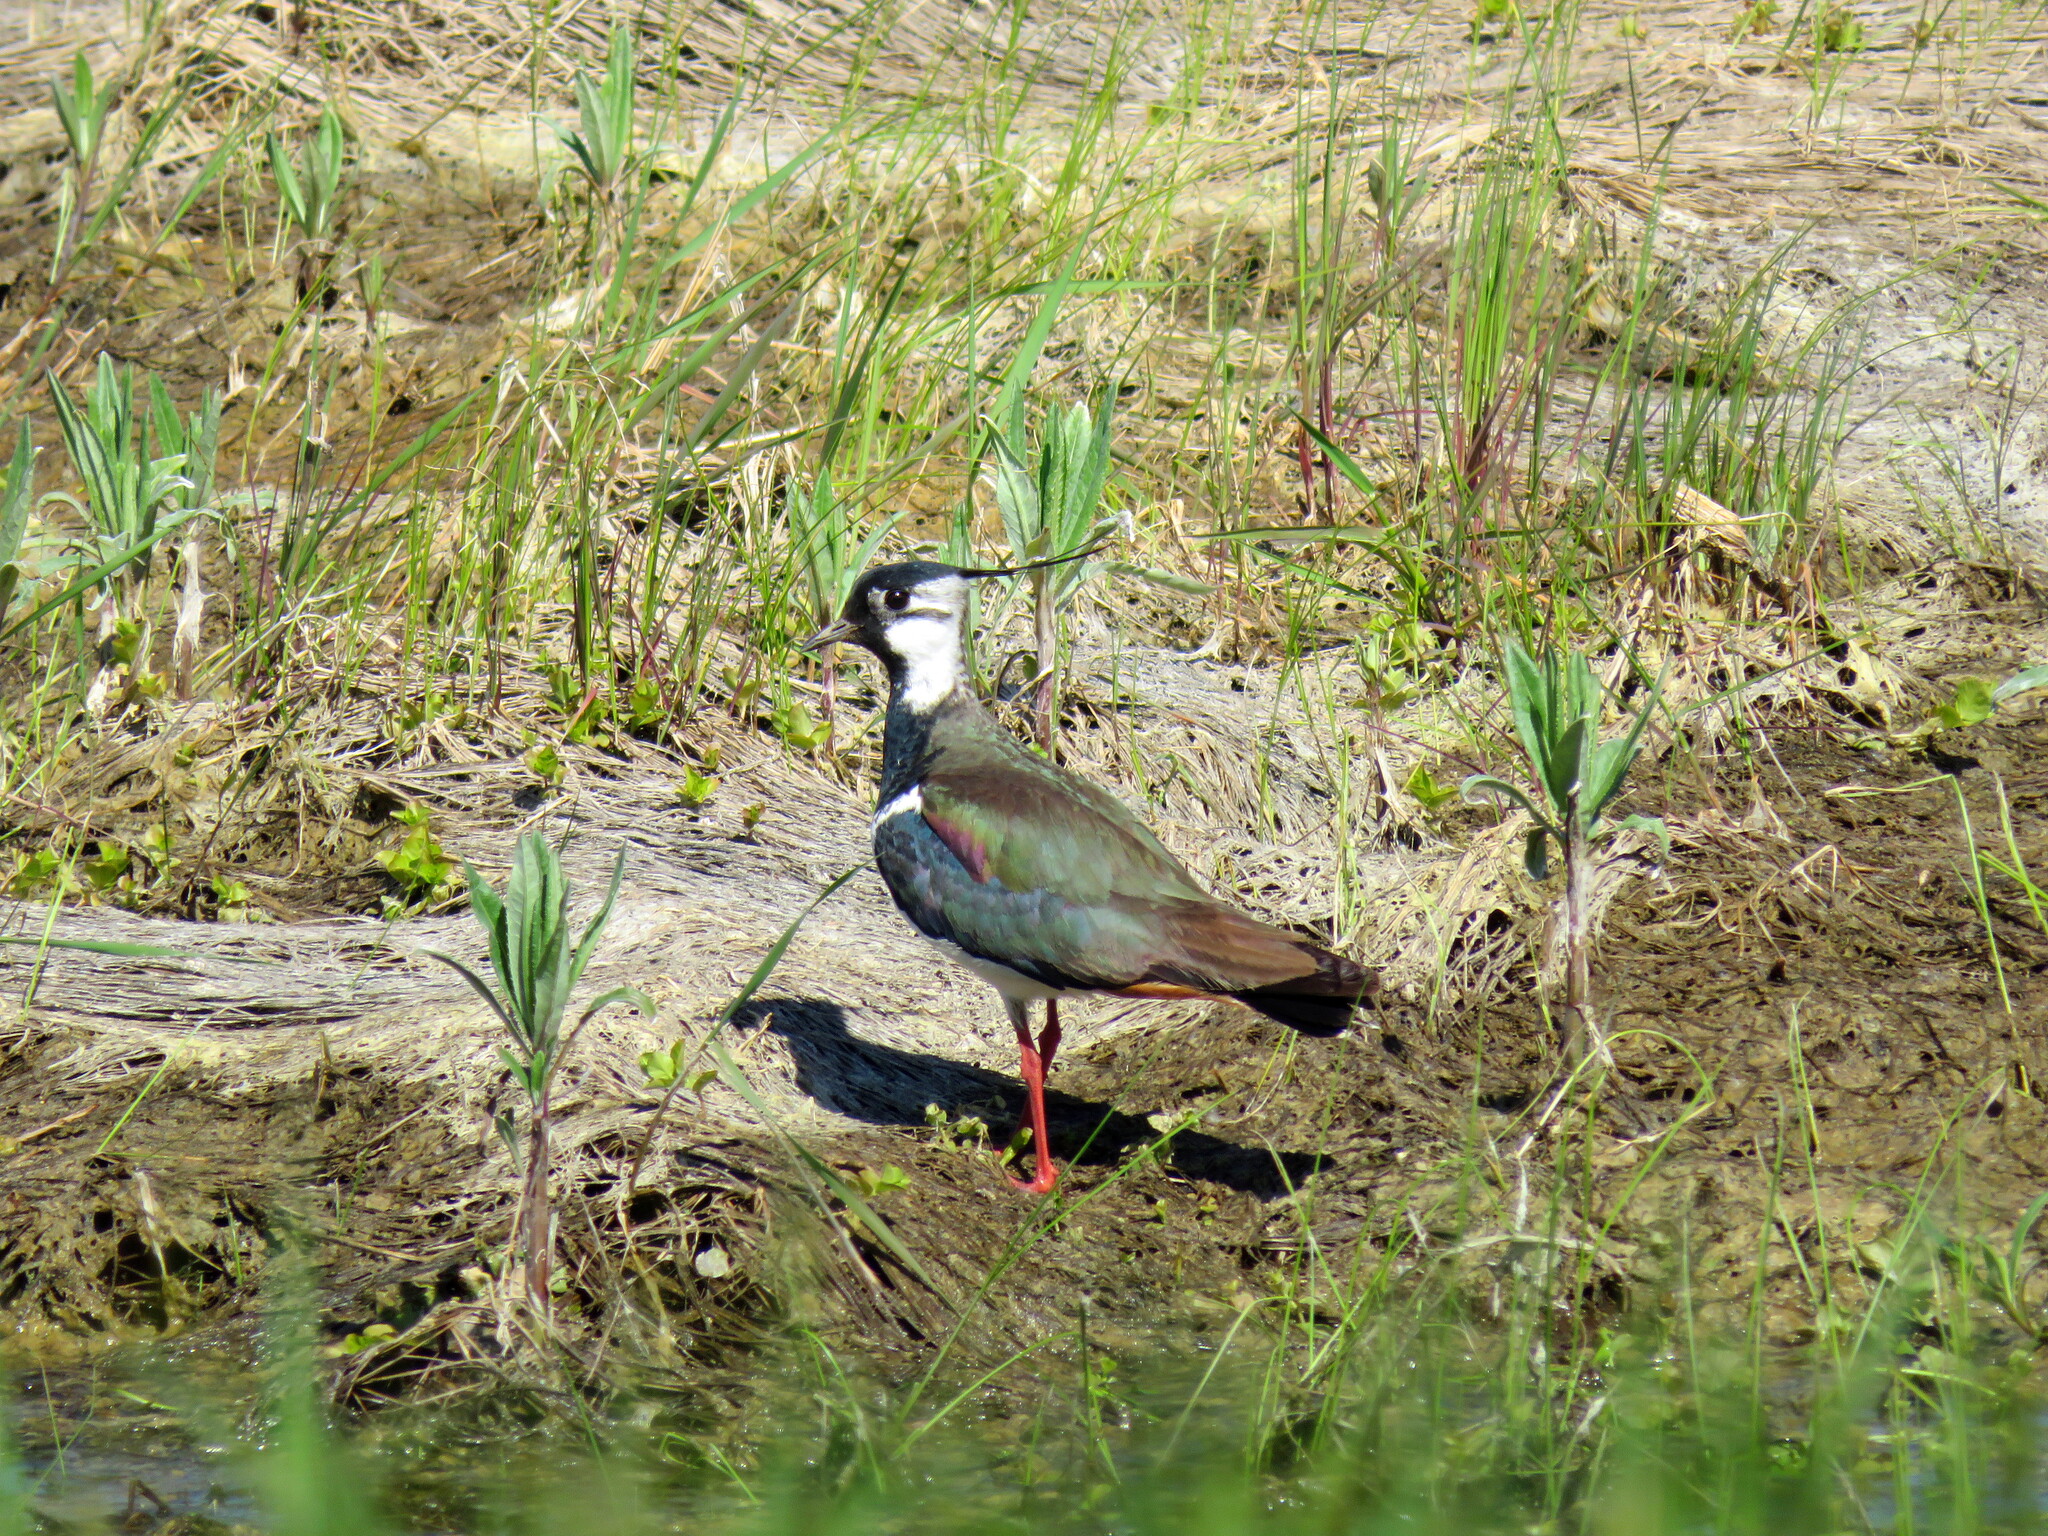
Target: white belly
[{"x": 1015, "y": 986}]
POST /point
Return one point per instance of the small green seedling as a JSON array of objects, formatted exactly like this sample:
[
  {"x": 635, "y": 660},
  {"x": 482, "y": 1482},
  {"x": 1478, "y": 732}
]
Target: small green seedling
[
  {"x": 1754, "y": 20},
  {"x": 1976, "y": 700},
  {"x": 310, "y": 192},
  {"x": 603, "y": 146},
  {"x": 696, "y": 787},
  {"x": 159, "y": 847},
  {"x": 414, "y": 714},
  {"x": 537, "y": 968},
  {"x": 419, "y": 864},
  {"x": 795, "y": 724},
  {"x": 969, "y": 1132},
  {"x": 586, "y": 708},
  {"x": 232, "y": 899},
  {"x": 82, "y": 108},
  {"x": 878, "y": 1181},
  {"x": 1556, "y": 702},
  {"x": 645, "y": 705},
  {"x": 1428, "y": 793},
  {"x": 1487, "y": 15},
  {"x": 356, "y": 1343},
  {"x": 664, "y": 1069},
  {"x": 741, "y": 694},
  {"x": 34, "y": 871},
  {"x": 546, "y": 764},
  {"x": 750, "y": 817},
  {"x": 1837, "y": 29},
  {"x": 110, "y": 872}
]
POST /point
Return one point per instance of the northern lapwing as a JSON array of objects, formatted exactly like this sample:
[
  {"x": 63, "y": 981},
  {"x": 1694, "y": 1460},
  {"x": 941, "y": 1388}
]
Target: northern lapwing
[{"x": 1034, "y": 879}]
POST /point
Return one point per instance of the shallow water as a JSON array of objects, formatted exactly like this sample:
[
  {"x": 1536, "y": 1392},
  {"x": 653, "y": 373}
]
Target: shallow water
[{"x": 1440, "y": 1439}]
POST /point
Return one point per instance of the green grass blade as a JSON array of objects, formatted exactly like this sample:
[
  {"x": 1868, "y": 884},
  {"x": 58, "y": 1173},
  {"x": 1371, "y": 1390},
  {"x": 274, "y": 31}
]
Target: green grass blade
[
  {"x": 734, "y": 1078},
  {"x": 100, "y": 573},
  {"x": 773, "y": 958},
  {"x": 127, "y": 951}
]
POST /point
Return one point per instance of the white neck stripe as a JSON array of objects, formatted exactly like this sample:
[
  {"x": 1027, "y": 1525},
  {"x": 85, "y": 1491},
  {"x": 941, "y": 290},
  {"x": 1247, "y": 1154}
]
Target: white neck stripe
[{"x": 911, "y": 801}]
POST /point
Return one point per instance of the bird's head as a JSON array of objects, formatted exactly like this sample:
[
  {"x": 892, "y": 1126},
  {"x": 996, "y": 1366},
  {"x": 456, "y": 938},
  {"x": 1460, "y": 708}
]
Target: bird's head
[
  {"x": 910, "y": 614},
  {"x": 903, "y": 613}
]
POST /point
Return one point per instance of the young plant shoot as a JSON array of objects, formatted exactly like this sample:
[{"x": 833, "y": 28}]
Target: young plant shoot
[
  {"x": 1556, "y": 702},
  {"x": 1051, "y": 512},
  {"x": 537, "y": 968}
]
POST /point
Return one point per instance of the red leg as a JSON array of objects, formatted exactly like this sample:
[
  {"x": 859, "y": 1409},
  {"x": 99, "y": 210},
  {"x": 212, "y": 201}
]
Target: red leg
[
  {"x": 1049, "y": 1037},
  {"x": 1035, "y": 1058}
]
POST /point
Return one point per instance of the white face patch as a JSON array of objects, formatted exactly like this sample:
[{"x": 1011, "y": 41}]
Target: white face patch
[{"x": 926, "y": 636}]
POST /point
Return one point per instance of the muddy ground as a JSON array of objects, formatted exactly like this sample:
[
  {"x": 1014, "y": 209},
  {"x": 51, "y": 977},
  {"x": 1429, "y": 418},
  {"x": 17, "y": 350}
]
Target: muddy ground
[
  {"x": 1812, "y": 1043},
  {"x": 1821, "y": 1032}
]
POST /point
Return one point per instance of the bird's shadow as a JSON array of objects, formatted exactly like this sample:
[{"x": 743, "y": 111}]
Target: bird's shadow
[{"x": 881, "y": 1085}]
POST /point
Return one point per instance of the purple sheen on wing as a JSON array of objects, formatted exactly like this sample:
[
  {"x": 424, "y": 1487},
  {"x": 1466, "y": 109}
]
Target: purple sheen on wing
[{"x": 967, "y": 848}]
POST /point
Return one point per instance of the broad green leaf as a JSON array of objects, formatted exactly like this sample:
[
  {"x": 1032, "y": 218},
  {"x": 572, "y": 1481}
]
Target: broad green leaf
[
  {"x": 663, "y": 1067},
  {"x": 1536, "y": 854},
  {"x": 1654, "y": 825},
  {"x": 15, "y": 494},
  {"x": 1423, "y": 786},
  {"x": 1564, "y": 772},
  {"x": 1973, "y": 703},
  {"x": 1613, "y": 761},
  {"x": 1017, "y": 498},
  {"x": 1529, "y": 701}
]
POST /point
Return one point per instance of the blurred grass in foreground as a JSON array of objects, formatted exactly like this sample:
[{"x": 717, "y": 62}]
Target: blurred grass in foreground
[{"x": 1431, "y": 1425}]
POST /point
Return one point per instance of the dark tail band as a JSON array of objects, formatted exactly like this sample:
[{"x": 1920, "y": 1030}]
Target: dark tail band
[{"x": 1319, "y": 1004}]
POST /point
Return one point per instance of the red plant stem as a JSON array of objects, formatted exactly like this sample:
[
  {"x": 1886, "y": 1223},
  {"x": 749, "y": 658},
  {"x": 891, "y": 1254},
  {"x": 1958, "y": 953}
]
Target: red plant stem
[{"x": 533, "y": 1229}]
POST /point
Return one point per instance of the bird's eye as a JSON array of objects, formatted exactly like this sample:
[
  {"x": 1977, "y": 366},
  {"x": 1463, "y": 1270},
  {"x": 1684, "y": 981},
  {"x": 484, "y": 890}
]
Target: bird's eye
[{"x": 897, "y": 599}]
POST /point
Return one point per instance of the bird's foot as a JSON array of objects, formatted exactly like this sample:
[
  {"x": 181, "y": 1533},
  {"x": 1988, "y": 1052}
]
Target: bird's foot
[{"x": 1042, "y": 1182}]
